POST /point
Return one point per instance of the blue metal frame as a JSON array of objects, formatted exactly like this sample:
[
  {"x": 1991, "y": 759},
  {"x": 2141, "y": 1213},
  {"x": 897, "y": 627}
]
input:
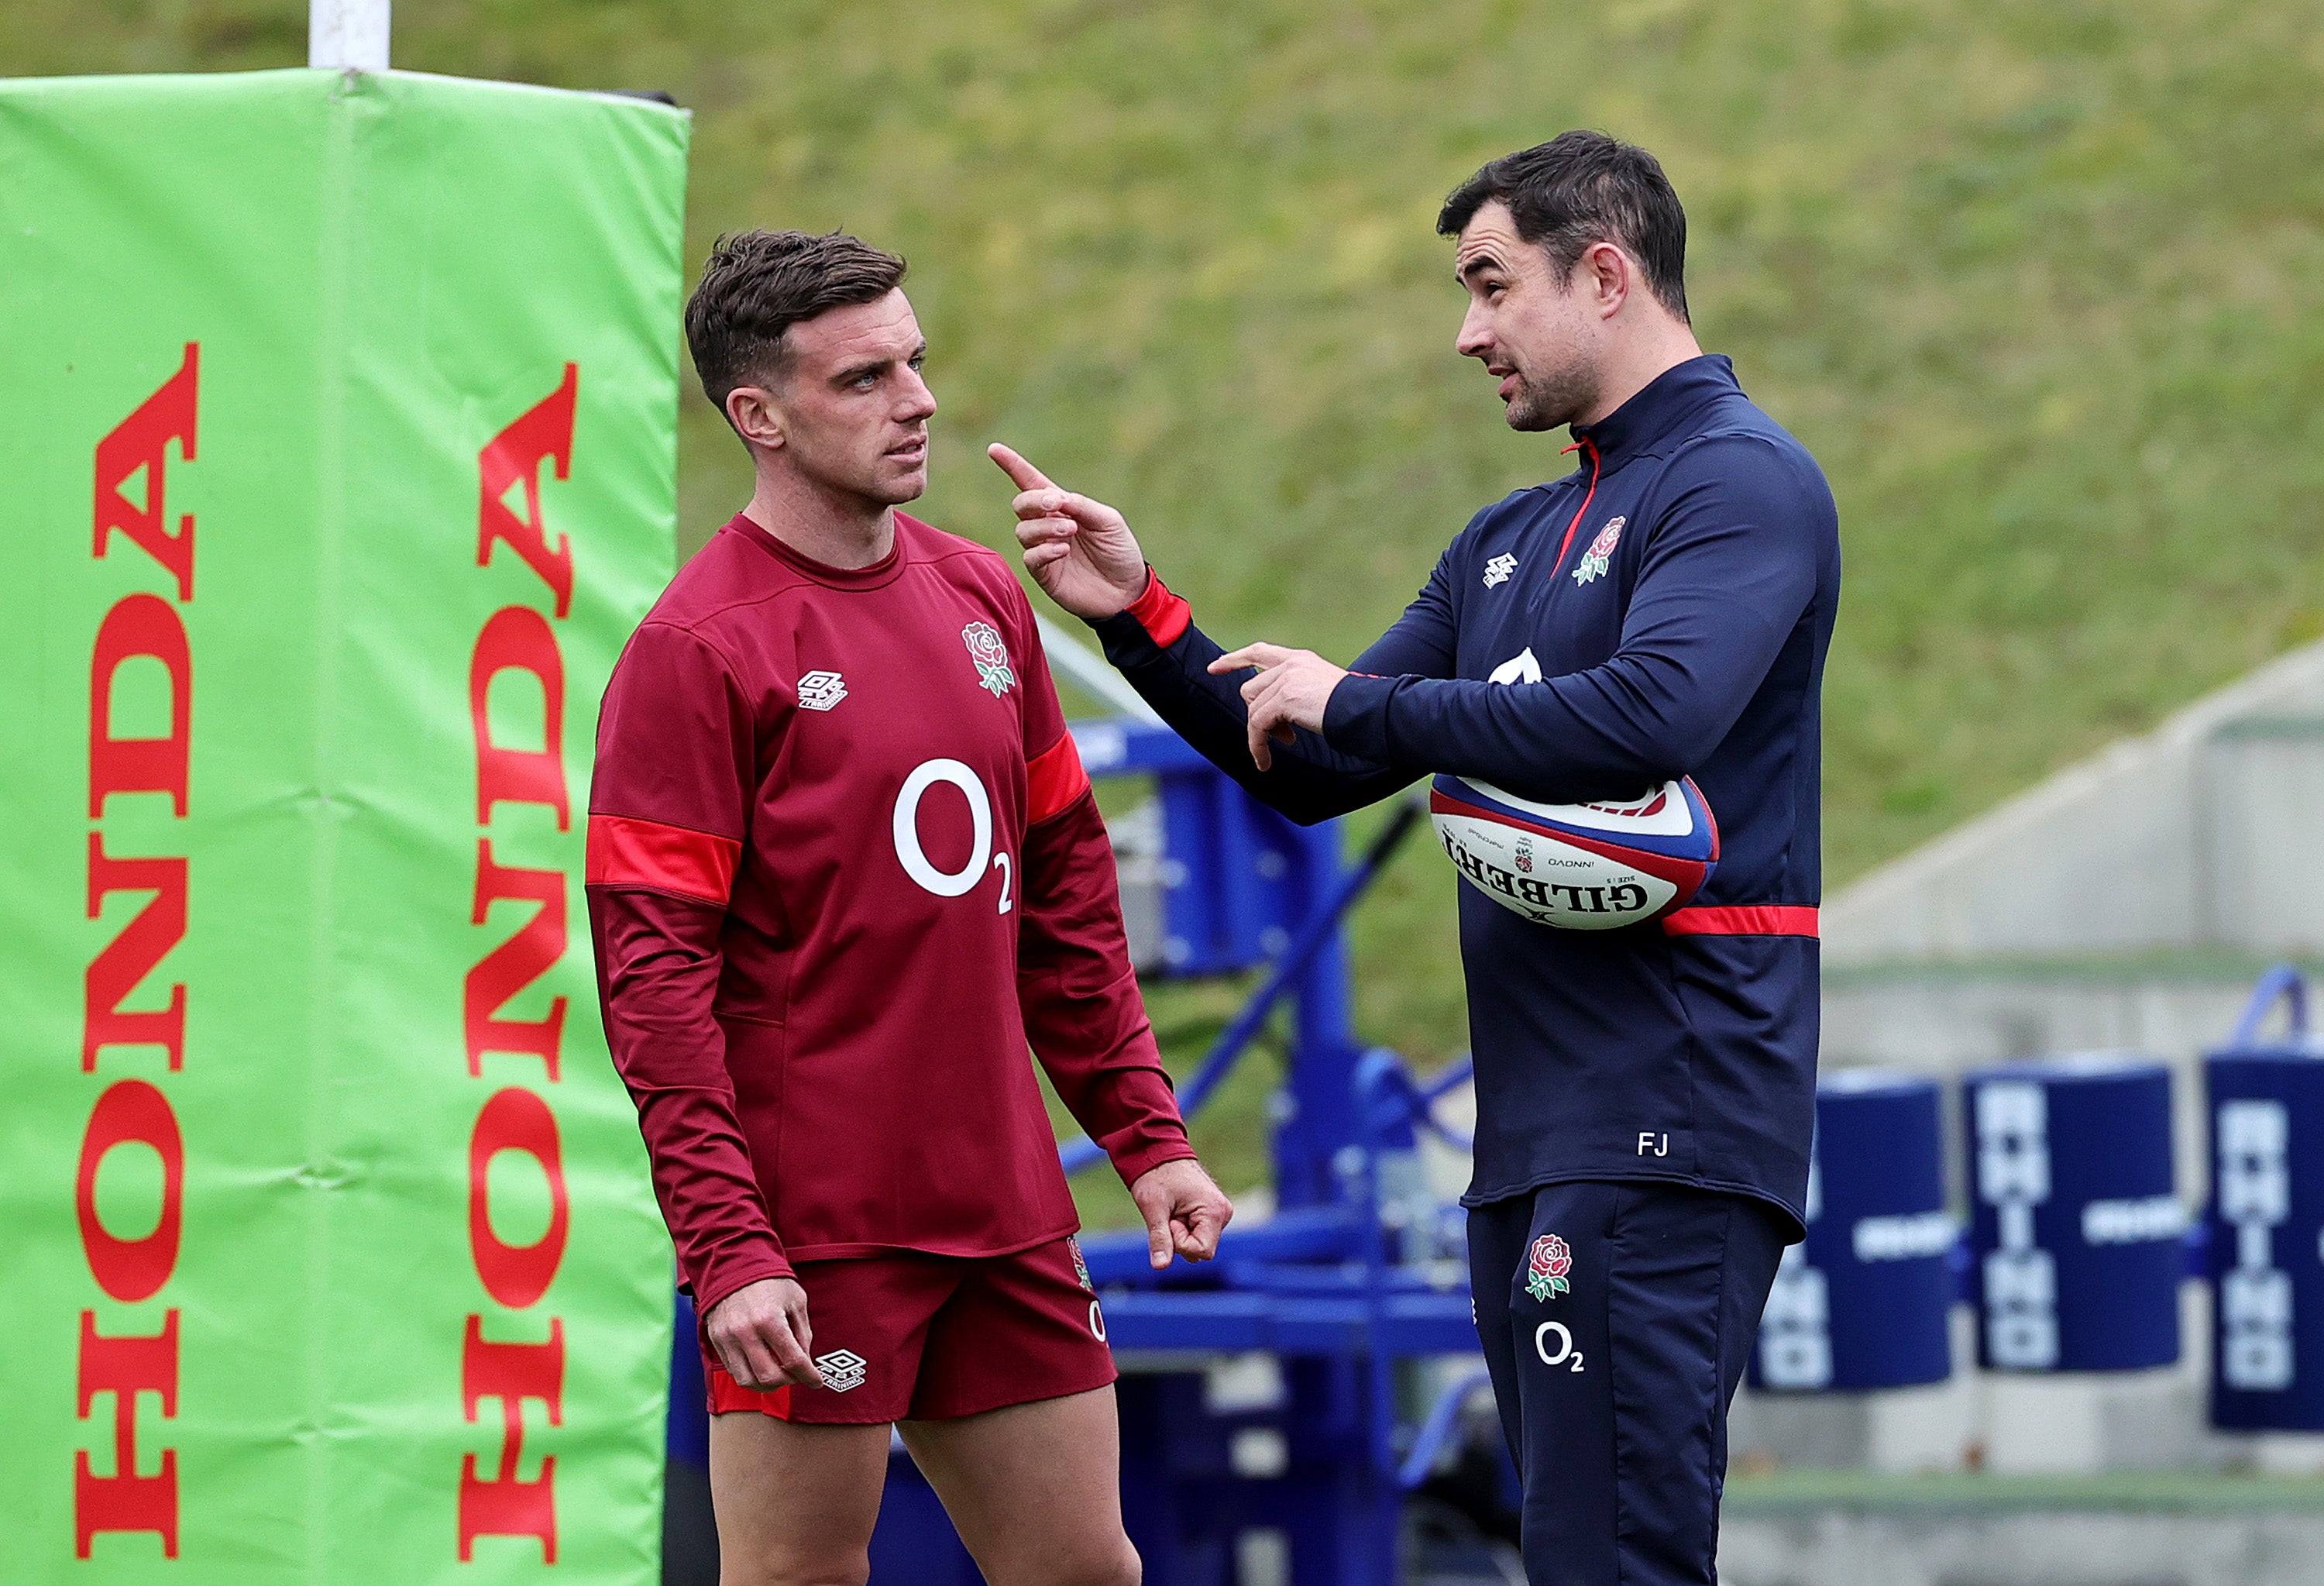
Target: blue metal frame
[{"x": 1332, "y": 1285}]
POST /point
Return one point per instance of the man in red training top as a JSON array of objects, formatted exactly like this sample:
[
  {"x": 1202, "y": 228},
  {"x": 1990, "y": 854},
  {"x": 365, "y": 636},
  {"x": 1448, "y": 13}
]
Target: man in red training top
[{"x": 844, "y": 866}]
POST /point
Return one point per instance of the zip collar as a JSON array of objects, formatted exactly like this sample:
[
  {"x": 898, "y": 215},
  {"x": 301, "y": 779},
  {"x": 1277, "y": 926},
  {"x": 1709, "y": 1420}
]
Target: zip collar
[
  {"x": 1588, "y": 448},
  {"x": 1660, "y": 407}
]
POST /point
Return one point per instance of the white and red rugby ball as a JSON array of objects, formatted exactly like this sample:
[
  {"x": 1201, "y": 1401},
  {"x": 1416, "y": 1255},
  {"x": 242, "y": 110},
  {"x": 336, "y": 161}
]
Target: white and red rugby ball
[{"x": 1583, "y": 867}]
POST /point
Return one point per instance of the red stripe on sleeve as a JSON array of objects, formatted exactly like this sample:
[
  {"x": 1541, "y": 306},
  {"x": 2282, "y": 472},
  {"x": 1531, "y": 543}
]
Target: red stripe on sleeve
[
  {"x": 1758, "y": 920},
  {"x": 1161, "y": 614},
  {"x": 1054, "y": 780},
  {"x": 625, "y": 851}
]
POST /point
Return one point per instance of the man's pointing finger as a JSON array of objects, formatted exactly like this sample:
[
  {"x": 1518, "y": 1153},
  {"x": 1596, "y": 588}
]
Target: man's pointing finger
[{"x": 1028, "y": 477}]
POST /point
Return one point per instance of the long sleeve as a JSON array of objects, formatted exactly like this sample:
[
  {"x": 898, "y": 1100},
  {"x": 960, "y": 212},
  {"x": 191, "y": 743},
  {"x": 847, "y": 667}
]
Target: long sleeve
[
  {"x": 1082, "y": 1012},
  {"x": 1083, "y": 1015},
  {"x": 1156, "y": 646},
  {"x": 668, "y": 815},
  {"x": 1730, "y": 572}
]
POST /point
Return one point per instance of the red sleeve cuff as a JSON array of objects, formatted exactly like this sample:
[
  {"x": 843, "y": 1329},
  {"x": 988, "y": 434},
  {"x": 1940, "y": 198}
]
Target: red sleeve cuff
[
  {"x": 1163, "y": 616},
  {"x": 736, "y": 1271},
  {"x": 1154, "y": 1132},
  {"x": 1135, "y": 1164}
]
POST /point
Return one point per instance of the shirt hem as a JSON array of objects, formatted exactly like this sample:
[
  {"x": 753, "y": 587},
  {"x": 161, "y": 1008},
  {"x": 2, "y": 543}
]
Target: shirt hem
[
  {"x": 871, "y": 1249},
  {"x": 1797, "y": 1228}
]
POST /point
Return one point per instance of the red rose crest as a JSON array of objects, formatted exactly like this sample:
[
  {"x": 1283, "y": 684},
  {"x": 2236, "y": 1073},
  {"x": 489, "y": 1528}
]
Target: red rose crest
[
  {"x": 991, "y": 656},
  {"x": 1545, "y": 1268},
  {"x": 1594, "y": 561}
]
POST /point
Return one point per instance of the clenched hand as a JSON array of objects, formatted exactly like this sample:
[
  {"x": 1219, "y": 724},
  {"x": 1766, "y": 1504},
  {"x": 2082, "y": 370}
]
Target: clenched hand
[
  {"x": 761, "y": 1335},
  {"x": 1185, "y": 1211}
]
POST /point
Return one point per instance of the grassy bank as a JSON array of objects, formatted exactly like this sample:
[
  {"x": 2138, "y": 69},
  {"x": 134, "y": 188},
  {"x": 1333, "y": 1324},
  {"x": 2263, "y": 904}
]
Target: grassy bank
[{"x": 2039, "y": 285}]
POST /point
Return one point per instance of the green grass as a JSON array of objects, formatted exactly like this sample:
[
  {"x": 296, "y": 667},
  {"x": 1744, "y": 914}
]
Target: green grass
[{"x": 2043, "y": 286}]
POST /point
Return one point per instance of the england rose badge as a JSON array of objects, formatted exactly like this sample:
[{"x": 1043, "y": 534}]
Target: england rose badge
[
  {"x": 1602, "y": 551},
  {"x": 1546, "y": 1266},
  {"x": 991, "y": 656}
]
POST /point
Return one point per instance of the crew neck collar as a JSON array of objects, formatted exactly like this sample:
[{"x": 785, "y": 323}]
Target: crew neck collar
[
  {"x": 1660, "y": 405},
  {"x": 880, "y": 572}
]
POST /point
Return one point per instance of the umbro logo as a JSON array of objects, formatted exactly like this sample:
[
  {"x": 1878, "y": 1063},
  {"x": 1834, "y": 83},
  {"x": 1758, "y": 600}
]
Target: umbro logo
[
  {"x": 1497, "y": 570},
  {"x": 842, "y": 1369},
  {"x": 821, "y": 690}
]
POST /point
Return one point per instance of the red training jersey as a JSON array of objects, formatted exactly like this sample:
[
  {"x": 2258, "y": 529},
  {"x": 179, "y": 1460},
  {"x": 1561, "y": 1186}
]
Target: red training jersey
[{"x": 843, "y": 863}]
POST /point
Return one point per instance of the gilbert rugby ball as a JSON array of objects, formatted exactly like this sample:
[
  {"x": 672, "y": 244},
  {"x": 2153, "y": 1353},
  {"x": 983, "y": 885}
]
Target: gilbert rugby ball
[{"x": 1585, "y": 867}]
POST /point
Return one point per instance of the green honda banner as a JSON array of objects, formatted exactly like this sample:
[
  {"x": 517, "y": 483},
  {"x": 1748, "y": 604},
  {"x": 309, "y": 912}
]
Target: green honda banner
[{"x": 337, "y": 453}]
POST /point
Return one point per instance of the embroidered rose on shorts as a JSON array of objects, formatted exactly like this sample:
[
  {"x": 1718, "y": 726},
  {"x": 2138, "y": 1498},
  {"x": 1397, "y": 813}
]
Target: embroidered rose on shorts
[{"x": 1545, "y": 1268}]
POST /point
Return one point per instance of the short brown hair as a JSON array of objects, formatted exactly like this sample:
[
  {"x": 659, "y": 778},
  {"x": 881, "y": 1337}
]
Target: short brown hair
[
  {"x": 757, "y": 284},
  {"x": 1581, "y": 187}
]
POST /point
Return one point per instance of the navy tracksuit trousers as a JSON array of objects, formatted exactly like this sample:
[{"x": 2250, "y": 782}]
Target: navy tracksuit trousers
[{"x": 1617, "y": 1318}]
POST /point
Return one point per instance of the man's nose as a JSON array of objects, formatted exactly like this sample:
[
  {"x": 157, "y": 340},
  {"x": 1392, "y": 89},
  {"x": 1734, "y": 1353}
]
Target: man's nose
[
  {"x": 1476, "y": 339},
  {"x": 919, "y": 402}
]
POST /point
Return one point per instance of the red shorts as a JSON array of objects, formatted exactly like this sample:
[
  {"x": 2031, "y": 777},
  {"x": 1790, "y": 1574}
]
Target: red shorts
[{"x": 911, "y": 1337}]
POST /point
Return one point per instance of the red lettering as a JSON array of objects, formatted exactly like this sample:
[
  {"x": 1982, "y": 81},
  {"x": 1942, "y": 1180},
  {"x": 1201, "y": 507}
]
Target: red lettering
[
  {"x": 511, "y": 1373},
  {"x": 520, "y": 639},
  {"x": 132, "y": 1269},
  {"x": 139, "y": 625},
  {"x": 132, "y": 955},
  {"x": 140, "y": 441},
  {"x": 536, "y": 948},
  {"x": 516, "y": 1120},
  {"x": 543, "y": 433},
  {"x": 125, "y": 1500},
  {"x": 132, "y": 1111}
]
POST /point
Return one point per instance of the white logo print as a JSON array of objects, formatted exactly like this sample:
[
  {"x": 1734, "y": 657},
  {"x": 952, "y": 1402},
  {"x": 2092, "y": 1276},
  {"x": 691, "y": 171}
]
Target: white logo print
[
  {"x": 1521, "y": 667},
  {"x": 821, "y": 690},
  {"x": 914, "y": 858},
  {"x": 1497, "y": 570},
  {"x": 842, "y": 1369}
]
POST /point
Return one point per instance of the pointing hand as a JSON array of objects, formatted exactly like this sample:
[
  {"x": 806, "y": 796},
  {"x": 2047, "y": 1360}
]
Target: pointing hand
[{"x": 1080, "y": 552}]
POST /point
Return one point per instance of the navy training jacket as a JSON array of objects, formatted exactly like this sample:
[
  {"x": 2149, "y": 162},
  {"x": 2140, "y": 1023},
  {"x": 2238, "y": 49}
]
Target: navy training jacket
[{"x": 1665, "y": 610}]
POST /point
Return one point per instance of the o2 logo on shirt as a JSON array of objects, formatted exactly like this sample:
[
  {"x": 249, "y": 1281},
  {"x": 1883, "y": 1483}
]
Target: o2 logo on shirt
[{"x": 981, "y": 856}]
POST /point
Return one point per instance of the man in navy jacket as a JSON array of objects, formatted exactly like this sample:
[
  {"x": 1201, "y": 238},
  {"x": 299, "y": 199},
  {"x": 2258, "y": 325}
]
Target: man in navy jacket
[{"x": 1644, "y": 1095}]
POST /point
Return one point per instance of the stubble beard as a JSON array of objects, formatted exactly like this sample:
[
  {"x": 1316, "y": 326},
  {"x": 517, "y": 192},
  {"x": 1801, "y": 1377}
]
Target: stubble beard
[
  {"x": 1548, "y": 400},
  {"x": 873, "y": 483}
]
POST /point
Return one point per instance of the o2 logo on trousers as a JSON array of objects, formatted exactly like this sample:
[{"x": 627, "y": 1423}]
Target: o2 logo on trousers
[
  {"x": 981, "y": 857},
  {"x": 1566, "y": 1356}
]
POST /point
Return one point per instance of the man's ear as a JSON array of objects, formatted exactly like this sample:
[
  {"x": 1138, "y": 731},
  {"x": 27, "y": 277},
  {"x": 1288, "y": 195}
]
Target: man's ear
[
  {"x": 1610, "y": 276},
  {"x": 753, "y": 413}
]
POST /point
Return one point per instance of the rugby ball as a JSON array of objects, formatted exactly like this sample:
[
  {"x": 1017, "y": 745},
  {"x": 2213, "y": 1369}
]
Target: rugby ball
[{"x": 1583, "y": 867}]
